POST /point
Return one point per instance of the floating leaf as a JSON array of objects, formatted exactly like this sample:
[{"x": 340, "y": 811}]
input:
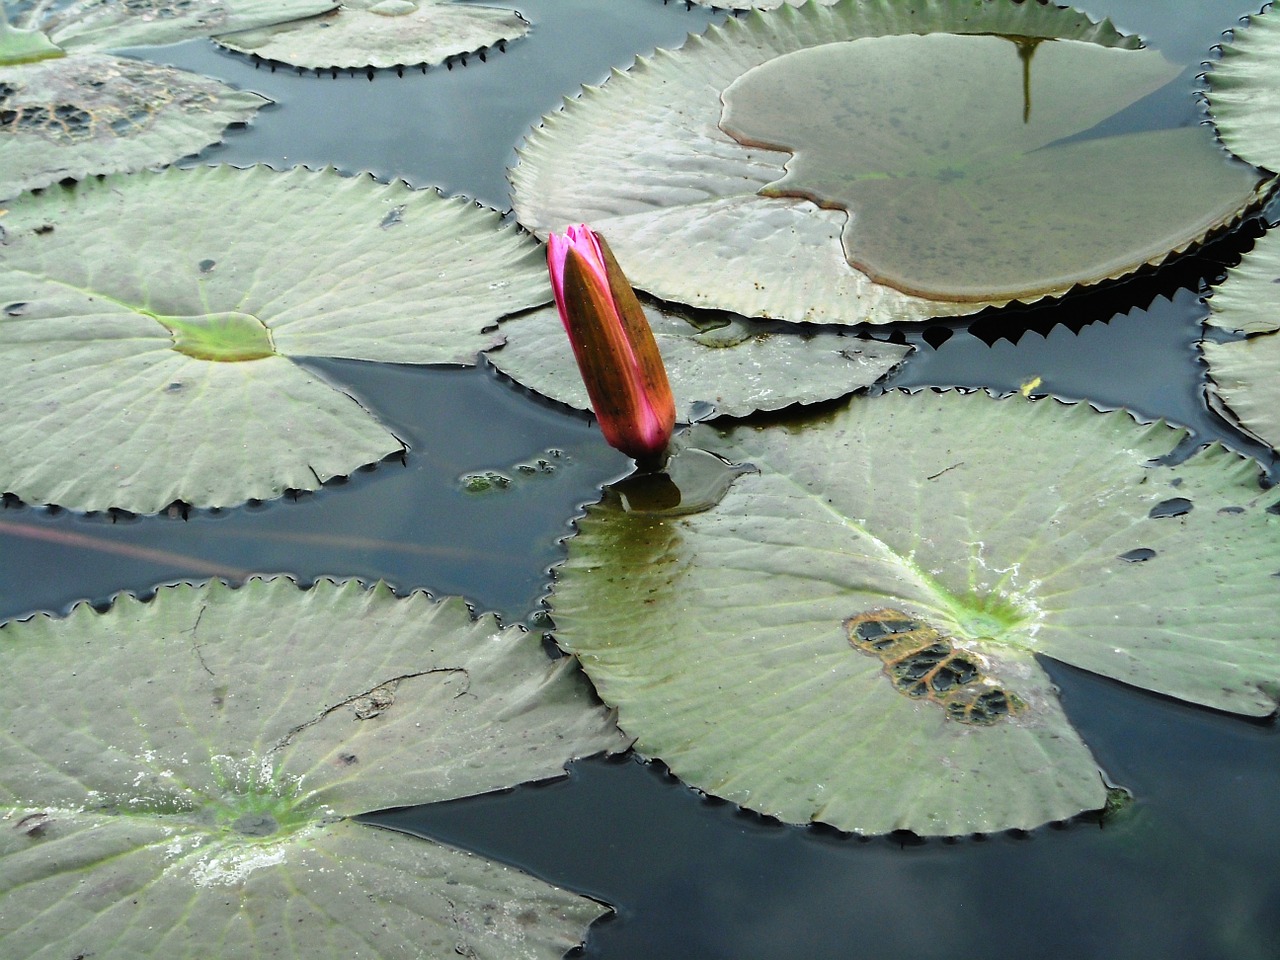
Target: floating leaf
[
  {"x": 174, "y": 774},
  {"x": 95, "y": 113},
  {"x": 850, "y": 635},
  {"x": 119, "y": 322},
  {"x": 112, "y": 24},
  {"x": 924, "y": 129},
  {"x": 19, "y": 45},
  {"x": 1244, "y": 97},
  {"x": 1245, "y": 374},
  {"x": 739, "y": 366},
  {"x": 382, "y": 33}
]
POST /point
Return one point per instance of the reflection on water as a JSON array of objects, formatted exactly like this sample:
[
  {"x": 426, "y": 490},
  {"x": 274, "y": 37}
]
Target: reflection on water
[{"x": 1187, "y": 871}]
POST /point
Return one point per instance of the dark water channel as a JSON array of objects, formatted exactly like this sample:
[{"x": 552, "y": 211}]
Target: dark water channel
[{"x": 1189, "y": 871}]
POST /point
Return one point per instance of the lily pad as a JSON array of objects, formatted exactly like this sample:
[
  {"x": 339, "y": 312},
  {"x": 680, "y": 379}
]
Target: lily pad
[
  {"x": 382, "y": 33},
  {"x": 94, "y": 113},
  {"x": 851, "y": 635},
  {"x": 149, "y": 354},
  {"x": 738, "y": 366},
  {"x": 945, "y": 161},
  {"x": 175, "y": 776},
  {"x": 1244, "y": 92},
  {"x": 18, "y": 45},
  {"x": 112, "y": 24},
  {"x": 1245, "y": 374}
]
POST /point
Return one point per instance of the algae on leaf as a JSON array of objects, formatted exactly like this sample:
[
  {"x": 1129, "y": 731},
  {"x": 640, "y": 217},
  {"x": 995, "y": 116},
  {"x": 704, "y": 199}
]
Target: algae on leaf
[
  {"x": 735, "y": 366},
  {"x": 851, "y": 635},
  {"x": 176, "y": 776},
  {"x": 382, "y": 33},
  {"x": 94, "y": 113},
  {"x": 934, "y": 164},
  {"x": 1244, "y": 374},
  {"x": 150, "y": 355}
]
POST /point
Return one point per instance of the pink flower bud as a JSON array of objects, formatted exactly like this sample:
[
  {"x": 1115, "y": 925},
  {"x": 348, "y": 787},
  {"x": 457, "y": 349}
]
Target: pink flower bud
[{"x": 614, "y": 347}]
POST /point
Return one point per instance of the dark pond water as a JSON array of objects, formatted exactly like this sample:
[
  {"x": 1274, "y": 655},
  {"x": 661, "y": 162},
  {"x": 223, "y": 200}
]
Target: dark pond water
[{"x": 1188, "y": 872}]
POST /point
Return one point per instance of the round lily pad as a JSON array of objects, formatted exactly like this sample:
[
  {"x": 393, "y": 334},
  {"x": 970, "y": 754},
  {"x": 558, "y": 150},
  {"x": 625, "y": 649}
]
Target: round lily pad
[
  {"x": 817, "y": 164},
  {"x": 175, "y": 775},
  {"x": 851, "y": 635},
  {"x": 149, "y": 353},
  {"x": 736, "y": 365},
  {"x": 1244, "y": 91},
  {"x": 1243, "y": 381},
  {"x": 94, "y": 113},
  {"x": 382, "y": 33}
]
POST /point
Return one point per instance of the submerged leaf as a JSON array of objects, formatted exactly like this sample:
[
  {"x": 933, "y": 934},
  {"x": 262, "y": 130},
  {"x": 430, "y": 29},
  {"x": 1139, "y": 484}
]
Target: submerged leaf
[
  {"x": 739, "y": 366},
  {"x": 699, "y": 217},
  {"x": 95, "y": 113},
  {"x": 851, "y": 635},
  {"x": 148, "y": 354},
  {"x": 382, "y": 33},
  {"x": 1244, "y": 374},
  {"x": 1244, "y": 93},
  {"x": 199, "y": 801},
  {"x": 946, "y": 155}
]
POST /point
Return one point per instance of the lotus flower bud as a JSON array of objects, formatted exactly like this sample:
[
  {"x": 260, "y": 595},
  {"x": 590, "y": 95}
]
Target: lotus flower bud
[{"x": 613, "y": 345}]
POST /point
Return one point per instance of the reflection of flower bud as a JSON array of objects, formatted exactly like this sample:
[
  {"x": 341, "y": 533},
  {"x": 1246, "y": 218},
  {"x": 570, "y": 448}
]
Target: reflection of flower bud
[{"x": 613, "y": 344}]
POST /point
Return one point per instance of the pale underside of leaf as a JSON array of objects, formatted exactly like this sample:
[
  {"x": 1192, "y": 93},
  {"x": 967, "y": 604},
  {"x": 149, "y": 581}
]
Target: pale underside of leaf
[
  {"x": 193, "y": 805},
  {"x": 385, "y": 33},
  {"x": 644, "y": 161},
  {"x": 102, "y": 410},
  {"x": 111, "y": 24},
  {"x": 1244, "y": 91},
  {"x": 96, "y": 114},
  {"x": 1002, "y": 528},
  {"x": 740, "y": 367}
]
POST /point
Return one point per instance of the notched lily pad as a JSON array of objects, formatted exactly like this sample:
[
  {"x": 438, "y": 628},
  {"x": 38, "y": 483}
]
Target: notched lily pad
[
  {"x": 382, "y": 33},
  {"x": 202, "y": 799},
  {"x": 851, "y": 635},
  {"x": 1244, "y": 91},
  {"x": 95, "y": 114},
  {"x": 1244, "y": 384},
  {"x": 925, "y": 151},
  {"x": 150, "y": 355},
  {"x": 734, "y": 365}
]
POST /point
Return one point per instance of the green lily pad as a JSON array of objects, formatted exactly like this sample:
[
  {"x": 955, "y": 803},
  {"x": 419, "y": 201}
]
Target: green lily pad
[
  {"x": 1244, "y": 93},
  {"x": 382, "y": 33},
  {"x": 175, "y": 776},
  {"x": 1244, "y": 374},
  {"x": 112, "y": 24},
  {"x": 94, "y": 113},
  {"x": 19, "y": 45},
  {"x": 887, "y": 232},
  {"x": 739, "y": 366},
  {"x": 149, "y": 354},
  {"x": 851, "y": 635}
]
